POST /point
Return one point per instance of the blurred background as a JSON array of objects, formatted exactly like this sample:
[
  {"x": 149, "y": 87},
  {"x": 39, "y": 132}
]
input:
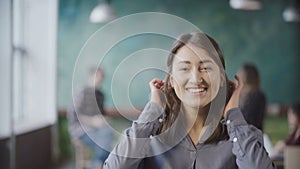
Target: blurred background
[{"x": 41, "y": 41}]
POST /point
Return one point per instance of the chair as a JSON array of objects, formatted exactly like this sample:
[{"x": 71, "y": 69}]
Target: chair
[
  {"x": 291, "y": 157},
  {"x": 82, "y": 154}
]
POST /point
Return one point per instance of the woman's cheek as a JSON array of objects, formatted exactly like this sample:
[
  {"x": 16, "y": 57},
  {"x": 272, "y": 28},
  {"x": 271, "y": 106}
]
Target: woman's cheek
[{"x": 215, "y": 84}]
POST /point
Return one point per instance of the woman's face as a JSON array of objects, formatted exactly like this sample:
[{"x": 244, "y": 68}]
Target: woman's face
[{"x": 195, "y": 76}]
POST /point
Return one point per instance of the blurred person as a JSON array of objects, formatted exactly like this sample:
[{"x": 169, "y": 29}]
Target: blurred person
[
  {"x": 253, "y": 100},
  {"x": 294, "y": 137},
  {"x": 86, "y": 119},
  {"x": 197, "y": 124}
]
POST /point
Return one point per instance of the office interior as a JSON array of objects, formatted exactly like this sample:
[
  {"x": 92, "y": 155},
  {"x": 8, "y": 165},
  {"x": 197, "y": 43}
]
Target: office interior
[{"x": 47, "y": 46}]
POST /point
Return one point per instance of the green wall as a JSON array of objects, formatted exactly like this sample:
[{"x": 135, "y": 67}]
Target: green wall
[{"x": 261, "y": 37}]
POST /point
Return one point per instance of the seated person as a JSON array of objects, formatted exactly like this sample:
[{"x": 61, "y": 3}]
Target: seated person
[{"x": 294, "y": 137}]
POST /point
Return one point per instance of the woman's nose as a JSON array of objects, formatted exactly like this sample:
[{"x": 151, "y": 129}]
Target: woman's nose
[{"x": 196, "y": 76}]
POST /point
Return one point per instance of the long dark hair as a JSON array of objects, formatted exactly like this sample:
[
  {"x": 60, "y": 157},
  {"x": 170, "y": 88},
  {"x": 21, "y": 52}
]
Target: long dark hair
[
  {"x": 251, "y": 76},
  {"x": 173, "y": 103},
  {"x": 296, "y": 109}
]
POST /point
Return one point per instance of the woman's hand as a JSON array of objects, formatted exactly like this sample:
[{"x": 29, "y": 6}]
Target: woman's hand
[
  {"x": 156, "y": 86},
  {"x": 235, "y": 98}
]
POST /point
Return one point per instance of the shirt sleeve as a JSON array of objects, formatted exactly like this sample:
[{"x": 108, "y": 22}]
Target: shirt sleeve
[
  {"x": 248, "y": 146},
  {"x": 133, "y": 147}
]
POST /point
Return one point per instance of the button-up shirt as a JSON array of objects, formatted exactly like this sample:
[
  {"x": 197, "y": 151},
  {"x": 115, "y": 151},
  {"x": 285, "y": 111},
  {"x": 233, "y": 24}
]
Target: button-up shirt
[{"x": 243, "y": 150}]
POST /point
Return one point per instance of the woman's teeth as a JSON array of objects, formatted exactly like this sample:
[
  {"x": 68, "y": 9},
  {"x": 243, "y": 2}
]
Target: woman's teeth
[{"x": 197, "y": 90}]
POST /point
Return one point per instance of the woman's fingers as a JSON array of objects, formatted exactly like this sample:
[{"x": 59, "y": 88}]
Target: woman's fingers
[
  {"x": 234, "y": 100},
  {"x": 156, "y": 84},
  {"x": 239, "y": 84}
]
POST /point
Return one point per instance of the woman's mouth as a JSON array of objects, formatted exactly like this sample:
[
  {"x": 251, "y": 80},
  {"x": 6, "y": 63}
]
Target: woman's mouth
[{"x": 197, "y": 90}]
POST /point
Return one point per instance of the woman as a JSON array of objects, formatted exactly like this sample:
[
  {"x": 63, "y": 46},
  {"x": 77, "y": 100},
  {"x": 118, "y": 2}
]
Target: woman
[
  {"x": 294, "y": 122},
  {"x": 294, "y": 137},
  {"x": 253, "y": 100},
  {"x": 198, "y": 125}
]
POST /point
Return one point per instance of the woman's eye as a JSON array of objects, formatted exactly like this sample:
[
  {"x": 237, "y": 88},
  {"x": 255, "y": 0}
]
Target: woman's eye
[
  {"x": 184, "y": 69},
  {"x": 205, "y": 68}
]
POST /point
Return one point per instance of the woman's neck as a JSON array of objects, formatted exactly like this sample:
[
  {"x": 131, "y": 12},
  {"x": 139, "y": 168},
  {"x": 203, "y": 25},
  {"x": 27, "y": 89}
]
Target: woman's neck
[{"x": 195, "y": 120}]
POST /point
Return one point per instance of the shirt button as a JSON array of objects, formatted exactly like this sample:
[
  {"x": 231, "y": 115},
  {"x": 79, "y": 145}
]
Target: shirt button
[
  {"x": 228, "y": 121},
  {"x": 160, "y": 120},
  {"x": 234, "y": 139}
]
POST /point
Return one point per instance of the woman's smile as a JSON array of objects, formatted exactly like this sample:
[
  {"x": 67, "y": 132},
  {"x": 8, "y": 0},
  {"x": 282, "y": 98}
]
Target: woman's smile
[{"x": 197, "y": 90}]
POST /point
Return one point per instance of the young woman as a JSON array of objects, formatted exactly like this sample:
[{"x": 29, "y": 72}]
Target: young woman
[
  {"x": 294, "y": 137},
  {"x": 252, "y": 100},
  {"x": 197, "y": 124}
]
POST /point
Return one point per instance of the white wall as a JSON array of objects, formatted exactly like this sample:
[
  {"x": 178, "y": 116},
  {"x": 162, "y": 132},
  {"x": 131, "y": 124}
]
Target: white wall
[
  {"x": 5, "y": 54},
  {"x": 34, "y": 88}
]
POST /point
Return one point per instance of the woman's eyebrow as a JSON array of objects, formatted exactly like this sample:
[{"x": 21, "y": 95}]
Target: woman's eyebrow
[
  {"x": 205, "y": 61},
  {"x": 185, "y": 61},
  {"x": 201, "y": 62}
]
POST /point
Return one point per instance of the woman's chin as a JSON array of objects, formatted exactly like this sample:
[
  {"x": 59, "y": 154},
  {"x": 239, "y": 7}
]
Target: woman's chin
[{"x": 197, "y": 105}]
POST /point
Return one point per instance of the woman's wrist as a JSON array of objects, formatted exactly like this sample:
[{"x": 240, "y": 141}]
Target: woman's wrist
[{"x": 155, "y": 97}]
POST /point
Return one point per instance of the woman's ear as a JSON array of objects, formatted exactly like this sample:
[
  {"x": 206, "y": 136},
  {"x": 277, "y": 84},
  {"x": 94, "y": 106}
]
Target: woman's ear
[
  {"x": 171, "y": 82},
  {"x": 223, "y": 80}
]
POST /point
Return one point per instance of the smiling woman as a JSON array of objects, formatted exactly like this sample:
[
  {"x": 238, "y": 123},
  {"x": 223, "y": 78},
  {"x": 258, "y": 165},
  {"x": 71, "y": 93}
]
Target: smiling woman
[
  {"x": 198, "y": 124},
  {"x": 193, "y": 64}
]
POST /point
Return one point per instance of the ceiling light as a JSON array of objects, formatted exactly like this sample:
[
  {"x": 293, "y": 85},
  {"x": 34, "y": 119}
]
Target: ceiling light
[
  {"x": 292, "y": 13},
  {"x": 245, "y": 4},
  {"x": 103, "y": 12}
]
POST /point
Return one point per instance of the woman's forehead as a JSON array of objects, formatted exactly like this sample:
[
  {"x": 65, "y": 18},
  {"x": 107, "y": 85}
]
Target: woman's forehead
[{"x": 191, "y": 52}]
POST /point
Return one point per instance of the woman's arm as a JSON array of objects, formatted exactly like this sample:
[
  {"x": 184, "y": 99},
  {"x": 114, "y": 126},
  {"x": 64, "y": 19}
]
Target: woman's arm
[
  {"x": 133, "y": 147},
  {"x": 247, "y": 143},
  {"x": 278, "y": 149}
]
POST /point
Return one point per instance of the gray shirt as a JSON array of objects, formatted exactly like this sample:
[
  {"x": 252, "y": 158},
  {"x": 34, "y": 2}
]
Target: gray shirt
[
  {"x": 243, "y": 150},
  {"x": 89, "y": 102}
]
